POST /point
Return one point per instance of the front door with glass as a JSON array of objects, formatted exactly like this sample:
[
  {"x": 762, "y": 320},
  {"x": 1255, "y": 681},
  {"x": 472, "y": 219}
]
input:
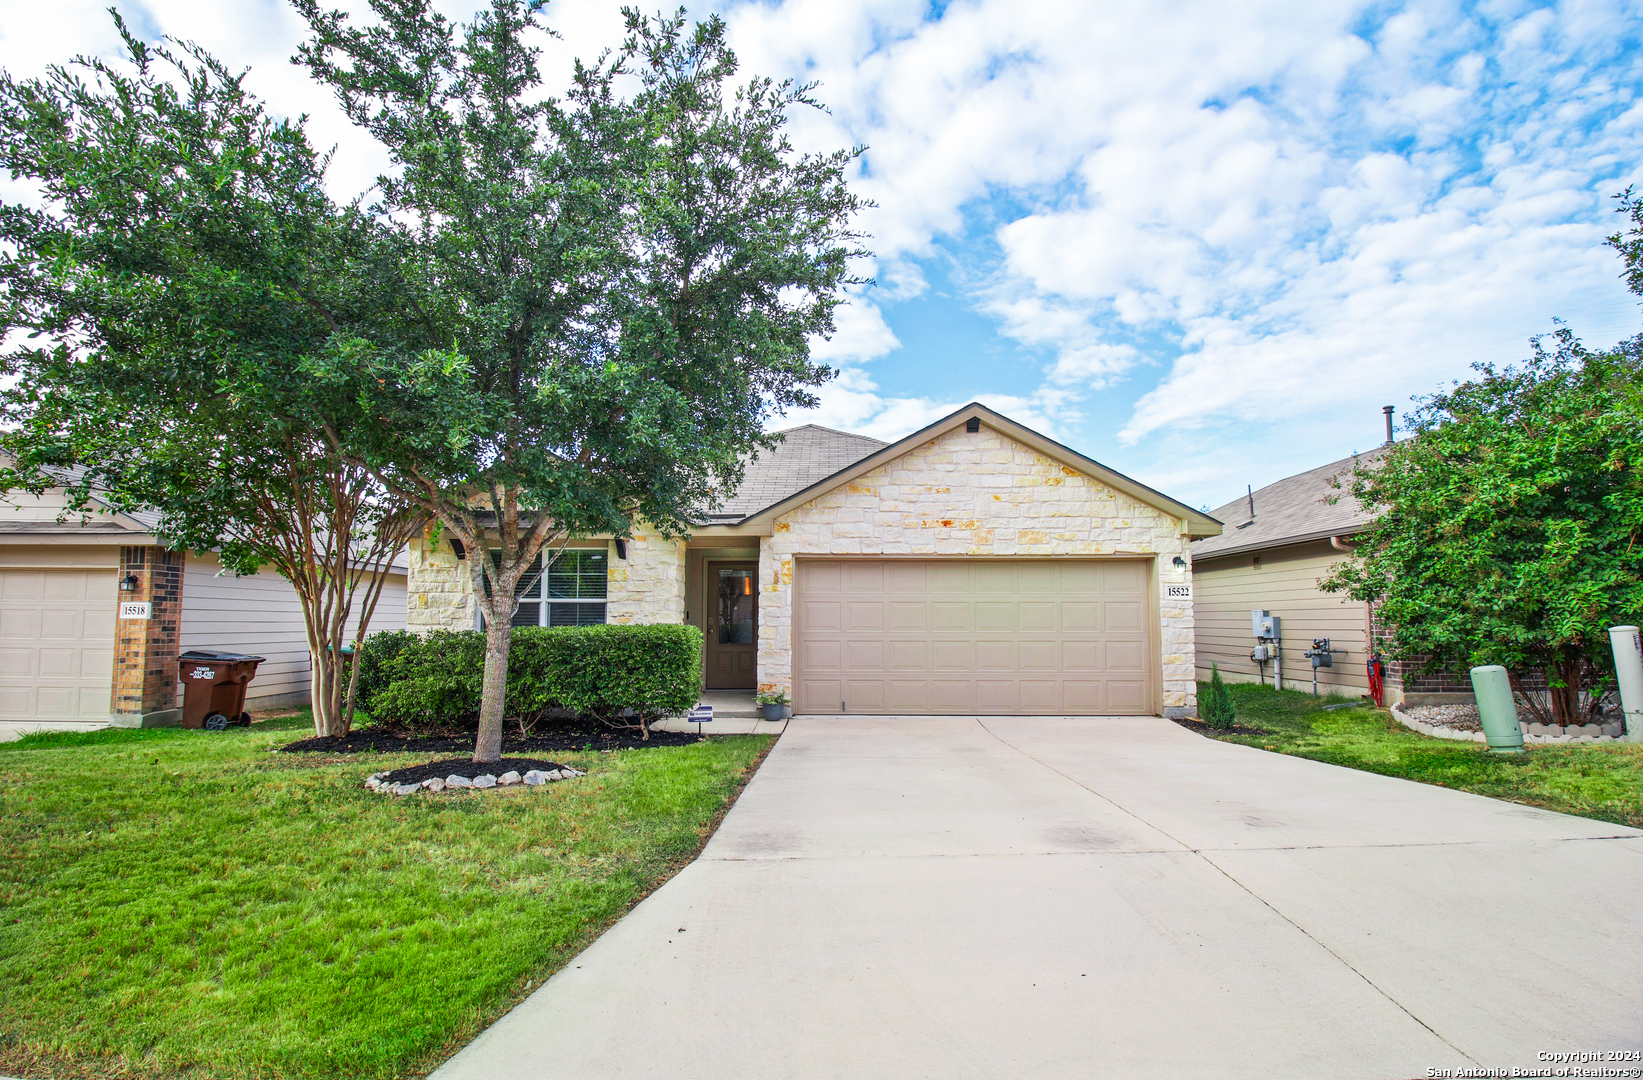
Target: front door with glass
[{"x": 732, "y": 626}]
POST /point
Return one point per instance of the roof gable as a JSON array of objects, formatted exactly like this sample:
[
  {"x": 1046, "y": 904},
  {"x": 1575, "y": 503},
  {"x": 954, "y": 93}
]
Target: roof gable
[
  {"x": 1292, "y": 511},
  {"x": 1194, "y": 522},
  {"x": 805, "y": 455}
]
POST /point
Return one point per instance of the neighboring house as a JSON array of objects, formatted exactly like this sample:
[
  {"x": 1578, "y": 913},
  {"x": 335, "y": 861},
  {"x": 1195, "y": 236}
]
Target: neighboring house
[
  {"x": 974, "y": 567},
  {"x": 1278, "y": 542},
  {"x": 66, "y": 659}
]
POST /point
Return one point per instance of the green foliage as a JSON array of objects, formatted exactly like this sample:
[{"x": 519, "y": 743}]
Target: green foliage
[
  {"x": 771, "y": 697},
  {"x": 374, "y": 655},
  {"x": 1216, "y": 707},
  {"x": 601, "y": 672},
  {"x": 613, "y": 287},
  {"x": 1509, "y": 524},
  {"x": 180, "y": 262},
  {"x": 191, "y": 904}
]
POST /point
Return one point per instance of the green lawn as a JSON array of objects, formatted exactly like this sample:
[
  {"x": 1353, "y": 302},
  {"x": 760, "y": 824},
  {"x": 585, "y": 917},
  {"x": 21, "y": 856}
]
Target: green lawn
[
  {"x": 193, "y": 904},
  {"x": 1599, "y": 781}
]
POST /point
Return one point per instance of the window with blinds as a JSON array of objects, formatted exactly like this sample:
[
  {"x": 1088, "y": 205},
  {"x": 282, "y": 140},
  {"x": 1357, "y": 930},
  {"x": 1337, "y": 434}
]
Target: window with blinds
[{"x": 571, "y": 593}]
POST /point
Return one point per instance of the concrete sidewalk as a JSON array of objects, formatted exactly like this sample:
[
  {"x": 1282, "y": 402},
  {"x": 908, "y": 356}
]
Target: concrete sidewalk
[{"x": 1097, "y": 898}]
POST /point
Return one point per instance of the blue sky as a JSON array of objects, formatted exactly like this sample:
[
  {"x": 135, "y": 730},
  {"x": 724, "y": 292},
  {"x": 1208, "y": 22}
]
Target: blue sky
[{"x": 1200, "y": 242}]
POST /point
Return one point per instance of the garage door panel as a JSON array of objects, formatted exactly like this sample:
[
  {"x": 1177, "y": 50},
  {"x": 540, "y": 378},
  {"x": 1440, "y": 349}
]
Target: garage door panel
[
  {"x": 1126, "y": 697},
  {"x": 996, "y": 615},
  {"x": 1123, "y": 617},
  {"x": 974, "y": 636},
  {"x": 863, "y": 656},
  {"x": 59, "y": 663},
  {"x": 62, "y": 625},
  {"x": 1079, "y": 616},
  {"x": 992, "y": 655},
  {"x": 1126, "y": 656},
  {"x": 1039, "y": 655},
  {"x": 863, "y": 695},
  {"x": 823, "y": 616},
  {"x": 17, "y": 663},
  {"x": 907, "y": 656},
  {"x": 952, "y": 656},
  {"x": 952, "y": 695},
  {"x": 864, "y": 615},
  {"x": 1040, "y": 695},
  {"x": 907, "y": 695},
  {"x": 57, "y": 627},
  {"x": 997, "y": 696},
  {"x": 912, "y": 615},
  {"x": 1084, "y": 696},
  {"x": 905, "y": 577},
  {"x": 952, "y": 615},
  {"x": 23, "y": 585},
  {"x": 1040, "y": 578},
  {"x": 863, "y": 577},
  {"x": 820, "y": 656}
]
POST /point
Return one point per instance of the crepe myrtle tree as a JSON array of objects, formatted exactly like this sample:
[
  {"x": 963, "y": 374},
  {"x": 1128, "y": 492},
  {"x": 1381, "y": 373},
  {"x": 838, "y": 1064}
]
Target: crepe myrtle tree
[
  {"x": 179, "y": 261},
  {"x": 1510, "y": 526},
  {"x": 617, "y": 286}
]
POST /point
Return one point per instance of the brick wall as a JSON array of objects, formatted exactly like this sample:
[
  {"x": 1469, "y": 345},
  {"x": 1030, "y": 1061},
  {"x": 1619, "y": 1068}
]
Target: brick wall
[{"x": 145, "y": 650}]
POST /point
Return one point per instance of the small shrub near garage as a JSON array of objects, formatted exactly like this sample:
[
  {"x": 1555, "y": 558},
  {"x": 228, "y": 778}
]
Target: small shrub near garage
[
  {"x": 624, "y": 676},
  {"x": 1218, "y": 709}
]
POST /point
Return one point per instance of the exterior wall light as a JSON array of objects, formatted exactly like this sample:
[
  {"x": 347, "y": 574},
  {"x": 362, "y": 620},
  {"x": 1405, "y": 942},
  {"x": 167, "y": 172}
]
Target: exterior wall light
[
  {"x": 1180, "y": 564},
  {"x": 621, "y": 548},
  {"x": 128, "y": 583}
]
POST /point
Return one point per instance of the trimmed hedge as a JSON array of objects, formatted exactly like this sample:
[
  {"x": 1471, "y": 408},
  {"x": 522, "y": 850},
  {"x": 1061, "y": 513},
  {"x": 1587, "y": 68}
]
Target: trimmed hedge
[
  {"x": 626, "y": 676},
  {"x": 376, "y": 651}
]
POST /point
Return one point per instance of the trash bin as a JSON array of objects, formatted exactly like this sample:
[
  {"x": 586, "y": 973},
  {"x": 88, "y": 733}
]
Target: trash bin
[{"x": 214, "y": 687}]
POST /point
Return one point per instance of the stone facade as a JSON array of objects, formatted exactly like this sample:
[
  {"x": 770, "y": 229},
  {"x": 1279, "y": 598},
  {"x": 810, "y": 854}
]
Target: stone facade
[
  {"x": 145, "y": 650},
  {"x": 439, "y": 591},
  {"x": 980, "y": 494},
  {"x": 646, "y": 587},
  {"x": 649, "y": 585}
]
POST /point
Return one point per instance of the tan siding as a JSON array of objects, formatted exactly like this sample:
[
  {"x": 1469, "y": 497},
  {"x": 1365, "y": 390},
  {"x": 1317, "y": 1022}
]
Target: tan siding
[
  {"x": 260, "y": 614},
  {"x": 1226, "y": 590}
]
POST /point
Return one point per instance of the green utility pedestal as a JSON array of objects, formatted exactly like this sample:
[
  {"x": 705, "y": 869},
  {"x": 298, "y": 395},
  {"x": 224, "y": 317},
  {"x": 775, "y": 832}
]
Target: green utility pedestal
[{"x": 1497, "y": 709}]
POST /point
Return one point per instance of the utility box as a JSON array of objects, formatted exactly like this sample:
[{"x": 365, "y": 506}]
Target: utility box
[
  {"x": 214, "y": 687},
  {"x": 1265, "y": 625}
]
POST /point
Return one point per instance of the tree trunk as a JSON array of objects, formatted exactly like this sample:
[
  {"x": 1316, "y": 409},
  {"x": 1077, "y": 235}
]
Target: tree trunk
[
  {"x": 1565, "y": 697},
  {"x": 493, "y": 696}
]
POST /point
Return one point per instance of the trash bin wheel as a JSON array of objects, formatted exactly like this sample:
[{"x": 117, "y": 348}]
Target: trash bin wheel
[
  {"x": 243, "y": 720},
  {"x": 216, "y": 722}
]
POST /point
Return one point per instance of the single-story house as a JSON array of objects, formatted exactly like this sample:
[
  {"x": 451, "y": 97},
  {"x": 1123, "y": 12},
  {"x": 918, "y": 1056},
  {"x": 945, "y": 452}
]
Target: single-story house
[
  {"x": 69, "y": 660},
  {"x": 974, "y": 567},
  {"x": 1279, "y": 542}
]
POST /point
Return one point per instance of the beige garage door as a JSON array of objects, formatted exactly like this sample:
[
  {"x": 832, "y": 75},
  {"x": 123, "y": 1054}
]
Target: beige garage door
[
  {"x": 56, "y": 644},
  {"x": 973, "y": 636}
]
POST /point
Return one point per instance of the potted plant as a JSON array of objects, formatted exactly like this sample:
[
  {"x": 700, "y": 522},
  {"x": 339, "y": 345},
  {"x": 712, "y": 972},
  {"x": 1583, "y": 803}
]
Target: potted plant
[{"x": 774, "y": 704}]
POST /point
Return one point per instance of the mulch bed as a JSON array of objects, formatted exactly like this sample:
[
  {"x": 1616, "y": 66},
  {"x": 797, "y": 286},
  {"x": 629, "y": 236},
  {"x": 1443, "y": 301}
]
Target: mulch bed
[
  {"x": 1204, "y": 729},
  {"x": 415, "y": 774},
  {"x": 367, "y": 741}
]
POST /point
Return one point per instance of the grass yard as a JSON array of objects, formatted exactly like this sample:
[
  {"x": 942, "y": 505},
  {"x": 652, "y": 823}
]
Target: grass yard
[
  {"x": 192, "y": 904},
  {"x": 1597, "y": 781}
]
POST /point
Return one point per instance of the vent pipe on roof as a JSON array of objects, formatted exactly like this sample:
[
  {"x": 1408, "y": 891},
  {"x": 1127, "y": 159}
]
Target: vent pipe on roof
[
  {"x": 1251, "y": 491},
  {"x": 1387, "y": 409}
]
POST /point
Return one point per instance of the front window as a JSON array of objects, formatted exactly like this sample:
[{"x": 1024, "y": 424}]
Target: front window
[{"x": 574, "y": 586}]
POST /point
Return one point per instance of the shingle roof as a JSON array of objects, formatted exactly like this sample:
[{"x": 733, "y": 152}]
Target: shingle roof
[
  {"x": 1293, "y": 510},
  {"x": 804, "y": 456}
]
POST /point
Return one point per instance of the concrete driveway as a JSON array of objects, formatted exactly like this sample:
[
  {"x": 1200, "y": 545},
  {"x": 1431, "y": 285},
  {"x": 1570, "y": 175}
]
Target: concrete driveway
[{"x": 1098, "y": 898}]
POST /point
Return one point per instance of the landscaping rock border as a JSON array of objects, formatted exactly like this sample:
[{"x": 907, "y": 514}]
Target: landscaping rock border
[
  {"x": 466, "y": 775},
  {"x": 1533, "y": 734}
]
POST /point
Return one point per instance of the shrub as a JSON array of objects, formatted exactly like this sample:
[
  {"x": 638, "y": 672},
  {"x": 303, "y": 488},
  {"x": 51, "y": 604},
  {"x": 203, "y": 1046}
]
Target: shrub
[
  {"x": 374, "y": 655},
  {"x": 1217, "y": 708},
  {"x": 624, "y": 676}
]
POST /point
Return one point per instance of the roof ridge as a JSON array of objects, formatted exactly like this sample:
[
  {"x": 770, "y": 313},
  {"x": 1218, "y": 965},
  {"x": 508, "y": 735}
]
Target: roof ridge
[{"x": 831, "y": 431}]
